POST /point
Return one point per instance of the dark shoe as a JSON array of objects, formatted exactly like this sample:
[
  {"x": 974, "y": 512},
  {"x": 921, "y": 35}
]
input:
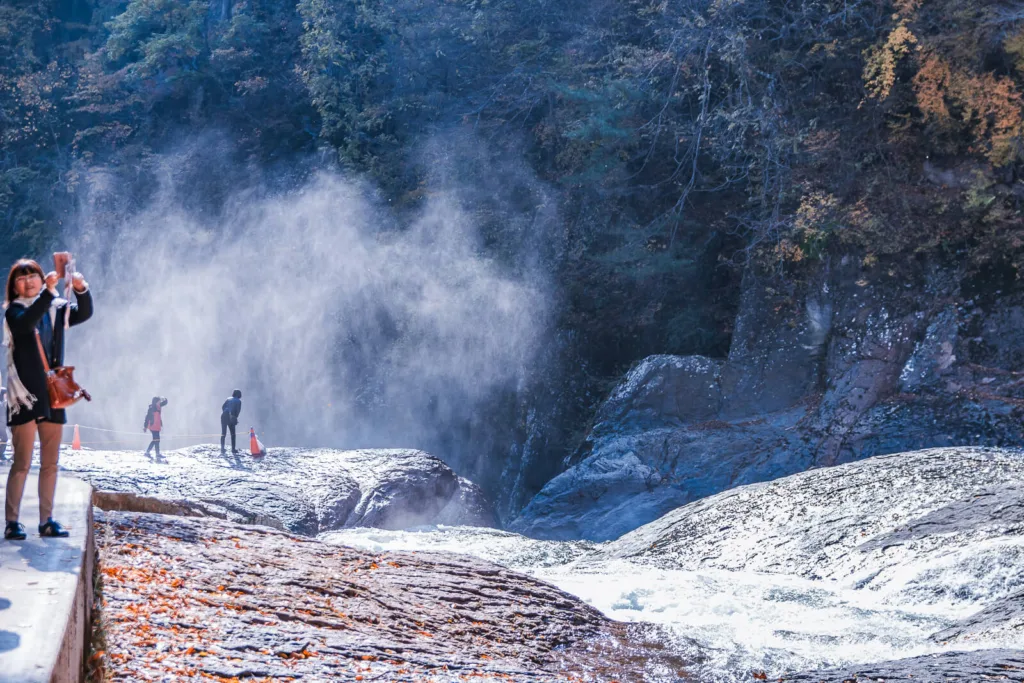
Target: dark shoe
[
  {"x": 52, "y": 529},
  {"x": 15, "y": 531}
]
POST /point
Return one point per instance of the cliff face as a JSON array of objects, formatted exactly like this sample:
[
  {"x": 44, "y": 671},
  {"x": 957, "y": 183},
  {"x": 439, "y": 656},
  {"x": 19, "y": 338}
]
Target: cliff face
[{"x": 847, "y": 365}]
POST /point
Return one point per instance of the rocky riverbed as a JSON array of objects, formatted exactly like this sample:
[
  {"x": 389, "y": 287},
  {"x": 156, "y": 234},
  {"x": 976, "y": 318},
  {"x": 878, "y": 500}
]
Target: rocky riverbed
[
  {"x": 188, "y": 599},
  {"x": 927, "y": 535},
  {"x": 985, "y": 665},
  {"x": 306, "y": 491},
  {"x": 904, "y": 567}
]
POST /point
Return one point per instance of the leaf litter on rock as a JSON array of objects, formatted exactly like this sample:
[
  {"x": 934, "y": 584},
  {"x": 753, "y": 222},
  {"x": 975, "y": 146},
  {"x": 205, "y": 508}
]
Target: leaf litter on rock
[{"x": 172, "y": 605}]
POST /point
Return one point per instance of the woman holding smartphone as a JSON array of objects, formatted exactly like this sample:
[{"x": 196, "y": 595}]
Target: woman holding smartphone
[{"x": 33, "y": 306}]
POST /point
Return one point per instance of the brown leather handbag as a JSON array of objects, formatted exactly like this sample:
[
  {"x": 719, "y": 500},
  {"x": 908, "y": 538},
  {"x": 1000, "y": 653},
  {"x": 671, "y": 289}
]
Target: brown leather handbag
[{"x": 60, "y": 382}]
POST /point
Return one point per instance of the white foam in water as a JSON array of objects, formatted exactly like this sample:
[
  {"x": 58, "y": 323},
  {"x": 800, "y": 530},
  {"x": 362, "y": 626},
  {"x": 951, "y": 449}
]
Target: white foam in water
[
  {"x": 744, "y": 621},
  {"x": 502, "y": 547},
  {"x": 749, "y": 621},
  {"x": 966, "y": 576}
]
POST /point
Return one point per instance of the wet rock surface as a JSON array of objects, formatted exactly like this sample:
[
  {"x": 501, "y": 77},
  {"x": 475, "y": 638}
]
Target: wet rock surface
[
  {"x": 203, "y": 599},
  {"x": 1002, "y": 621},
  {"x": 635, "y": 478},
  {"x": 994, "y": 512},
  {"x": 680, "y": 388},
  {"x": 862, "y": 523},
  {"x": 928, "y": 531},
  {"x": 980, "y": 665},
  {"x": 306, "y": 491}
]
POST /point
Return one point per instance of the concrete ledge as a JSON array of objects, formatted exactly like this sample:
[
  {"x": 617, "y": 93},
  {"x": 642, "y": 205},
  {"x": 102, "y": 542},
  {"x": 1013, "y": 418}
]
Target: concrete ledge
[{"x": 46, "y": 589}]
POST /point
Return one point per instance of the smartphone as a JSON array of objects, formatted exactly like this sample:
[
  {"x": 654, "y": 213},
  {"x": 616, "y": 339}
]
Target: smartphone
[{"x": 60, "y": 262}]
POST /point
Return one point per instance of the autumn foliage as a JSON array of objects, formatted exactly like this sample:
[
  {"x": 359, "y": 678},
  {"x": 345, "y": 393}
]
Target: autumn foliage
[
  {"x": 680, "y": 141},
  {"x": 986, "y": 108},
  {"x": 977, "y": 109},
  {"x": 191, "y": 599}
]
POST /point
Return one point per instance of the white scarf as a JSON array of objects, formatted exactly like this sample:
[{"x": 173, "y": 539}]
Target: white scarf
[{"x": 18, "y": 396}]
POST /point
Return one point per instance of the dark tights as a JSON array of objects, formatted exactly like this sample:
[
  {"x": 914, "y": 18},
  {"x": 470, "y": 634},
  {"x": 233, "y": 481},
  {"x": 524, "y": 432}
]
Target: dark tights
[
  {"x": 225, "y": 425},
  {"x": 154, "y": 442}
]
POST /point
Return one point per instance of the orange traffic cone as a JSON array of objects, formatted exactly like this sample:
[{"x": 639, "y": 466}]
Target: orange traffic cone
[
  {"x": 255, "y": 447},
  {"x": 76, "y": 443}
]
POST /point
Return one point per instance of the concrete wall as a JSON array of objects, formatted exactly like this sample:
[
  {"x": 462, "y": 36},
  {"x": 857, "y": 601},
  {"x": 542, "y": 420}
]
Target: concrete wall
[
  {"x": 69, "y": 667},
  {"x": 46, "y": 589}
]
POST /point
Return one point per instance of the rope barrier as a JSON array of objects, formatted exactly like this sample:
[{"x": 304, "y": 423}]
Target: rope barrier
[
  {"x": 112, "y": 441},
  {"x": 137, "y": 435},
  {"x": 85, "y": 443},
  {"x": 114, "y": 431}
]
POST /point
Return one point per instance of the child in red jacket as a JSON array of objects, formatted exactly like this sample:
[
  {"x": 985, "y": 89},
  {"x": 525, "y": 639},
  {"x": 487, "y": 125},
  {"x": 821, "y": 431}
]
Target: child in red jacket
[{"x": 154, "y": 423}]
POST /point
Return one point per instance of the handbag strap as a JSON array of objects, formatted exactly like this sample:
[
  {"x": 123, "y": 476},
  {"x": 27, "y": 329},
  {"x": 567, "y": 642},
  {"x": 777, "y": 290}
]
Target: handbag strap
[{"x": 42, "y": 353}]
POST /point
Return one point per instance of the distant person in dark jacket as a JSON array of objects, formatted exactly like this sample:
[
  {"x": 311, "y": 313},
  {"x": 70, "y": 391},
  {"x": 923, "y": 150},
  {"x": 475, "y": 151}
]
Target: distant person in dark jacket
[
  {"x": 154, "y": 423},
  {"x": 33, "y": 307},
  {"x": 229, "y": 418}
]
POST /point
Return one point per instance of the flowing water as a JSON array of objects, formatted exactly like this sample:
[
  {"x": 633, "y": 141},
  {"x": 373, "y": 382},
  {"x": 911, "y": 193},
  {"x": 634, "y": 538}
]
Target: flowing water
[{"x": 741, "y": 622}]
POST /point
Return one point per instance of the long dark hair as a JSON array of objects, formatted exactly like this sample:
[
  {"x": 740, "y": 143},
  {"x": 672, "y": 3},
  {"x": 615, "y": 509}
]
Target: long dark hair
[{"x": 25, "y": 266}]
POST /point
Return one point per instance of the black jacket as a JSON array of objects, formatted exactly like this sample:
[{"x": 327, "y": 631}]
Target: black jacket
[
  {"x": 230, "y": 410},
  {"x": 23, "y": 322}
]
